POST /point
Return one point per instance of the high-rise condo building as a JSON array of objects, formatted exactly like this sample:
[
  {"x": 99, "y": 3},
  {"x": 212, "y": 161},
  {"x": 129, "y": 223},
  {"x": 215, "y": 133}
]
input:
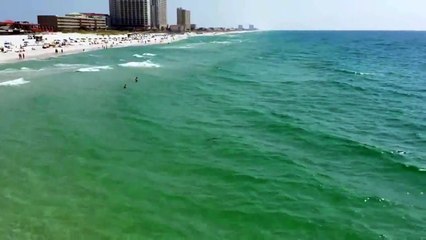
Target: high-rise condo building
[
  {"x": 130, "y": 13},
  {"x": 159, "y": 14},
  {"x": 184, "y": 18}
]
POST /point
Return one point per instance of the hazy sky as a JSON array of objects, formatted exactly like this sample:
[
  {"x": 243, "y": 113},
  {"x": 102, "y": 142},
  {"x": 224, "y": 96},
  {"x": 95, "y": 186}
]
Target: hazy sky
[{"x": 265, "y": 14}]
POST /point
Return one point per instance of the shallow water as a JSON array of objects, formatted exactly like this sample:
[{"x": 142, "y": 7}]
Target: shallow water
[{"x": 273, "y": 135}]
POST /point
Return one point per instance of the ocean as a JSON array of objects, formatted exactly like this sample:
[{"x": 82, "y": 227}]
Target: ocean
[{"x": 265, "y": 135}]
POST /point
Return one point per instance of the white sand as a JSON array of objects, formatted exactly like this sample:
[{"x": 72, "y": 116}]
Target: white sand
[{"x": 77, "y": 43}]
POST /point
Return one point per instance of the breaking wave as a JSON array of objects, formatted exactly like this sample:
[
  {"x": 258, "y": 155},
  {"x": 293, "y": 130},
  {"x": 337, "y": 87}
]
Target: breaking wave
[
  {"x": 144, "y": 55},
  {"x": 353, "y": 72},
  {"x": 67, "y": 65},
  {"x": 94, "y": 69},
  {"x": 22, "y": 69},
  {"x": 221, "y": 42},
  {"x": 16, "y": 82},
  {"x": 145, "y": 64}
]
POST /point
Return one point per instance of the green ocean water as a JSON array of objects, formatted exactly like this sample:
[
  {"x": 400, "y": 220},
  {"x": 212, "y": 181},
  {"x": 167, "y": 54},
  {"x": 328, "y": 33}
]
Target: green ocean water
[{"x": 269, "y": 135}]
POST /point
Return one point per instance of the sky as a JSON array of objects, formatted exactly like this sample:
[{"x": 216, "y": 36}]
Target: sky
[{"x": 264, "y": 14}]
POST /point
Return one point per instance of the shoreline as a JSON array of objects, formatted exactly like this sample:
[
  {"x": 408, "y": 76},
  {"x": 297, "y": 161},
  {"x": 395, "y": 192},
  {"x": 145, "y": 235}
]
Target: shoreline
[{"x": 85, "y": 43}]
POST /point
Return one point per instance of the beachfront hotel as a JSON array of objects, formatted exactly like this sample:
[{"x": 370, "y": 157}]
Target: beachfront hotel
[
  {"x": 74, "y": 21},
  {"x": 131, "y": 14},
  {"x": 184, "y": 18},
  {"x": 159, "y": 14}
]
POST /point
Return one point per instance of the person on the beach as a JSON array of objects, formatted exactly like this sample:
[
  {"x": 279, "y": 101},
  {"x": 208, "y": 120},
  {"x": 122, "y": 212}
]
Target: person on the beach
[
  {"x": 23, "y": 55},
  {"x": 136, "y": 79},
  {"x": 56, "y": 50},
  {"x": 62, "y": 50},
  {"x": 20, "y": 56}
]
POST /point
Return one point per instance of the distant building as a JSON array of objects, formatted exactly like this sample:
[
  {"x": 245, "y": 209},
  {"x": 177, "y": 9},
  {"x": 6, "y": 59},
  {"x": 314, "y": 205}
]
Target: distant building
[
  {"x": 100, "y": 16},
  {"x": 240, "y": 27},
  {"x": 74, "y": 21},
  {"x": 251, "y": 27},
  {"x": 159, "y": 14},
  {"x": 177, "y": 28},
  {"x": 184, "y": 18},
  {"x": 131, "y": 14},
  {"x": 19, "y": 27}
]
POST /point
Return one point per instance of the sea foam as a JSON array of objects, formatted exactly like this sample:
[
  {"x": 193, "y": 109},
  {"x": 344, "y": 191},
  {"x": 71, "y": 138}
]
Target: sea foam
[
  {"x": 16, "y": 82},
  {"x": 145, "y": 64},
  {"x": 144, "y": 55},
  {"x": 94, "y": 69},
  {"x": 187, "y": 46},
  {"x": 354, "y": 72},
  {"x": 67, "y": 65},
  {"x": 22, "y": 69},
  {"x": 221, "y": 42}
]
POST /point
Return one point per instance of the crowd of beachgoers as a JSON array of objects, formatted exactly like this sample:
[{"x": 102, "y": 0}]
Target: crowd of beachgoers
[{"x": 24, "y": 47}]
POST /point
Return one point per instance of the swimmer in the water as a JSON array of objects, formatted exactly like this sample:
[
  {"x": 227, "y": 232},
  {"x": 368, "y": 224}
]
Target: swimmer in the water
[
  {"x": 125, "y": 86},
  {"x": 136, "y": 79}
]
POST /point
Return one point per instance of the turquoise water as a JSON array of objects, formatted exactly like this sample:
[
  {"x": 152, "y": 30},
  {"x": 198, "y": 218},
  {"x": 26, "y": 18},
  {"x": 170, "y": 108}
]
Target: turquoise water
[{"x": 272, "y": 135}]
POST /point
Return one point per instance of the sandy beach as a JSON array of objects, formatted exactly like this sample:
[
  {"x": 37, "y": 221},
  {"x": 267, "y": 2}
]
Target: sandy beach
[
  {"x": 24, "y": 47},
  {"x": 71, "y": 43}
]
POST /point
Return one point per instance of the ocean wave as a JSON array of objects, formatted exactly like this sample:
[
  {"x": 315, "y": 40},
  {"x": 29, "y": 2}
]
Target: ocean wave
[
  {"x": 69, "y": 65},
  {"x": 63, "y": 65},
  {"x": 184, "y": 47},
  {"x": 144, "y": 55},
  {"x": 331, "y": 66},
  {"x": 16, "y": 82},
  {"x": 221, "y": 42},
  {"x": 94, "y": 69},
  {"x": 22, "y": 69},
  {"x": 405, "y": 93},
  {"x": 349, "y": 85},
  {"x": 145, "y": 64},
  {"x": 181, "y": 47},
  {"x": 411, "y": 166},
  {"x": 8, "y": 70},
  {"x": 392, "y": 161},
  {"x": 353, "y": 72},
  {"x": 187, "y": 46}
]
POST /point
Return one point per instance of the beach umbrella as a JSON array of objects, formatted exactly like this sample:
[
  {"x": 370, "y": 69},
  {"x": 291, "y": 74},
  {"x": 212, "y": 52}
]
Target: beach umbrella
[{"x": 9, "y": 22}]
